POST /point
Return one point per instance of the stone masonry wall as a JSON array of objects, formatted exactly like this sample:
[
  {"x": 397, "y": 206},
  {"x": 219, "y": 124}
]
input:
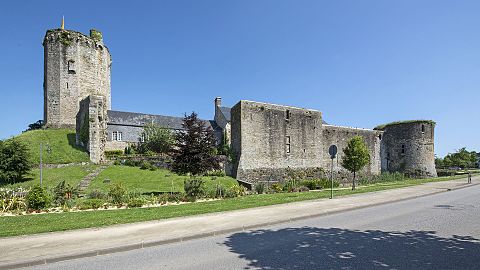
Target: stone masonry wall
[
  {"x": 91, "y": 119},
  {"x": 75, "y": 66},
  {"x": 409, "y": 148},
  {"x": 271, "y": 141},
  {"x": 340, "y": 137}
]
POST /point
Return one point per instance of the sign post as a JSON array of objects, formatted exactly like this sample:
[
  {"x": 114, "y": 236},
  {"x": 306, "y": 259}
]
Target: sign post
[{"x": 332, "y": 150}]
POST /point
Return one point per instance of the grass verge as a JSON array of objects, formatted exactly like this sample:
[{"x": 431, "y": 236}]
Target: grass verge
[
  {"x": 146, "y": 181},
  {"x": 30, "y": 224}
]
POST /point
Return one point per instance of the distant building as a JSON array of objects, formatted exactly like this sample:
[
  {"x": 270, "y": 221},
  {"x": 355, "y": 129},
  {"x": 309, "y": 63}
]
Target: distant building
[{"x": 270, "y": 142}]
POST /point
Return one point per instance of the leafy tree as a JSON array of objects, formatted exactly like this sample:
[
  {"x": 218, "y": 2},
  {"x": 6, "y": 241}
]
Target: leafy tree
[
  {"x": 195, "y": 151},
  {"x": 15, "y": 161},
  {"x": 462, "y": 158},
  {"x": 157, "y": 139},
  {"x": 356, "y": 156},
  {"x": 37, "y": 125}
]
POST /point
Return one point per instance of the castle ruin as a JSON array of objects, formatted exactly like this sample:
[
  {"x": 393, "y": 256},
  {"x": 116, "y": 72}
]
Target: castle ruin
[{"x": 269, "y": 141}]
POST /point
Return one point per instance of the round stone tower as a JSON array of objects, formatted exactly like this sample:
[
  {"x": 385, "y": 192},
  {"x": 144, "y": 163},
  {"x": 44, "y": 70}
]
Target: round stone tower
[
  {"x": 75, "y": 66},
  {"x": 408, "y": 147}
]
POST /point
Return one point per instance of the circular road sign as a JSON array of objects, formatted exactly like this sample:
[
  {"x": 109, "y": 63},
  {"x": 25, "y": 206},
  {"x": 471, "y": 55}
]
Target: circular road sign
[{"x": 332, "y": 150}]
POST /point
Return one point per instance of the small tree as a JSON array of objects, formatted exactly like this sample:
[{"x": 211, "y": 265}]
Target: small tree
[
  {"x": 37, "y": 125},
  {"x": 356, "y": 156},
  {"x": 15, "y": 161},
  {"x": 195, "y": 152},
  {"x": 157, "y": 139}
]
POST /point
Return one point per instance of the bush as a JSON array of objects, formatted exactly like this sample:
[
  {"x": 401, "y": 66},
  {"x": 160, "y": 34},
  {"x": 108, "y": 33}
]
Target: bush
[
  {"x": 175, "y": 197},
  {"x": 113, "y": 153},
  {"x": 277, "y": 187},
  {"x": 97, "y": 194},
  {"x": 12, "y": 200},
  {"x": 312, "y": 184},
  {"x": 260, "y": 188},
  {"x": 90, "y": 204},
  {"x": 145, "y": 165},
  {"x": 194, "y": 188},
  {"x": 117, "y": 193},
  {"x": 38, "y": 198},
  {"x": 290, "y": 185},
  {"x": 15, "y": 161},
  {"x": 64, "y": 192},
  {"x": 218, "y": 173},
  {"x": 136, "y": 202},
  {"x": 326, "y": 183},
  {"x": 235, "y": 191}
]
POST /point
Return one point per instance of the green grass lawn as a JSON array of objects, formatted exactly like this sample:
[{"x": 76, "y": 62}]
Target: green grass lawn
[
  {"x": 61, "y": 143},
  {"x": 52, "y": 176},
  {"x": 29, "y": 224},
  {"x": 146, "y": 181}
]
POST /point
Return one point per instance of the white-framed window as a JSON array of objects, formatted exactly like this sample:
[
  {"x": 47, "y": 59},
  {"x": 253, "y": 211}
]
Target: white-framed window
[
  {"x": 116, "y": 136},
  {"x": 143, "y": 137},
  {"x": 287, "y": 144}
]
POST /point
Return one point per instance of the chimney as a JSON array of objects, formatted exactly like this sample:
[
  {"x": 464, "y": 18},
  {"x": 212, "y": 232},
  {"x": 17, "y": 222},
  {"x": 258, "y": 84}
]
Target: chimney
[{"x": 218, "y": 101}]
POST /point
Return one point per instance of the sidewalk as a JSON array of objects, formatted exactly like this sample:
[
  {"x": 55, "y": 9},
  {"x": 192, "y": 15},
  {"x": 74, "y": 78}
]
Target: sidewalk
[{"x": 44, "y": 248}]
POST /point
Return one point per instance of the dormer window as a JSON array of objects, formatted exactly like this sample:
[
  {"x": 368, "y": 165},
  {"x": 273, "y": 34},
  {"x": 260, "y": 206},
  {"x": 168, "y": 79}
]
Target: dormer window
[{"x": 71, "y": 66}]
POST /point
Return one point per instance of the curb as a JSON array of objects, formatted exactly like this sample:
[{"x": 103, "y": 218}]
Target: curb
[{"x": 66, "y": 257}]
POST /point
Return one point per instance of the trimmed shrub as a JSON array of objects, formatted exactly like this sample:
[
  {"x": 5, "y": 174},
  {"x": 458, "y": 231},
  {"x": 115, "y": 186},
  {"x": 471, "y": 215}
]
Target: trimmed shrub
[
  {"x": 117, "y": 193},
  {"x": 38, "y": 198},
  {"x": 113, "y": 153},
  {"x": 90, "y": 204},
  {"x": 136, "y": 202},
  {"x": 194, "y": 188}
]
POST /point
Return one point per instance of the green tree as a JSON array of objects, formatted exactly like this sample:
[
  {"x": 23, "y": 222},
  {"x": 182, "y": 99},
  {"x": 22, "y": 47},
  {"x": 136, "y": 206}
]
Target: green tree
[
  {"x": 462, "y": 158},
  {"x": 15, "y": 161},
  {"x": 196, "y": 151},
  {"x": 356, "y": 156},
  {"x": 157, "y": 139}
]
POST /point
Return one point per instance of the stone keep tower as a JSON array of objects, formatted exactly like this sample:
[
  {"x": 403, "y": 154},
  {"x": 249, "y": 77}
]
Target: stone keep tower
[
  {"x": 408, "y": 147},
  {"x": 75, "y": 66}
]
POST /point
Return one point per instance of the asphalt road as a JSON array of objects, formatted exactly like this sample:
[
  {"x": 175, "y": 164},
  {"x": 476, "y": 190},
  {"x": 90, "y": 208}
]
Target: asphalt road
[{"x": 441, "y": 231}]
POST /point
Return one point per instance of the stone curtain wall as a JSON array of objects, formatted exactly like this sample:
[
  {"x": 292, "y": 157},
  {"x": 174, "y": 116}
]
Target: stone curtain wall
[
  {"x": 340, "y": 137},
  {"x": 260, "y": 135},
  {"x": 75, "y": 66},
  {"x": 408, "y": 148},
  {"x": 92, "y": 118}
]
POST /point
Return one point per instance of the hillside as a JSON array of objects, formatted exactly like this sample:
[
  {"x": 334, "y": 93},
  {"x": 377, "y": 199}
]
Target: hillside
[{"x": 61, "y": 143}]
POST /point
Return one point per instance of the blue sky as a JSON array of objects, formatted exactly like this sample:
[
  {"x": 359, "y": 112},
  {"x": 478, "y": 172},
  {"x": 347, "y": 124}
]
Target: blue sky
[{"x": 362, "y": 63}]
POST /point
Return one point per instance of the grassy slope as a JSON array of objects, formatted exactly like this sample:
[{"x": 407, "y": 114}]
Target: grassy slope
[
  {"x": 145, "y": 181},
  {"x": 61, "y": 142},
  {"x": 52, "y": 176},
  {"x": 21, "y": 225}
]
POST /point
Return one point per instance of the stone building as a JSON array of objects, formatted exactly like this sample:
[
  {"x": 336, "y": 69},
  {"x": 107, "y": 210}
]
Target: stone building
[
  {"x": 75, "y": 66},
  {"x": 270, "y": 142}
]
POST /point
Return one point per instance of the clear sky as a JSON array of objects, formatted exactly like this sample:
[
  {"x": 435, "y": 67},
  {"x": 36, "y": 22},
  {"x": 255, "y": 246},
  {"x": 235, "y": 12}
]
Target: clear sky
[{"x": 362, "y": 63}]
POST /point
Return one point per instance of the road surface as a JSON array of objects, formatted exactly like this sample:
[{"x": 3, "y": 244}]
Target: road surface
[{"x": 440, "y": 231}]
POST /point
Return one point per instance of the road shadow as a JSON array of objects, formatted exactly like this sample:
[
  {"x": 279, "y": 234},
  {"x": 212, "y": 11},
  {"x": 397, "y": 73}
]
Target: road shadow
[{"x": 334, "y": 248}]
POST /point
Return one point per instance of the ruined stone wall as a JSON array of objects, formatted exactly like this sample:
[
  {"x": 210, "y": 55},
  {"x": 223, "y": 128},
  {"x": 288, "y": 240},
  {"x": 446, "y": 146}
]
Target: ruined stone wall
[
  {"x": 340, "y": 136},
  {"x": 408, "y": 147},
  {"x": 271, "y": 141},
  {"x": 91, "y": 127},
  {"x": 75, "y": 66}
]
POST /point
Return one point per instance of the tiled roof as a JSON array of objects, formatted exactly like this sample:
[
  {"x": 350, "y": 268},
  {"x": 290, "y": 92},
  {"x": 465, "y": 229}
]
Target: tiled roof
[{"x": 226, "y": 113}]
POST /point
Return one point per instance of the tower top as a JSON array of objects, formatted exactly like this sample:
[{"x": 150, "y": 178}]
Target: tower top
[{"x": 63, "y": 23}]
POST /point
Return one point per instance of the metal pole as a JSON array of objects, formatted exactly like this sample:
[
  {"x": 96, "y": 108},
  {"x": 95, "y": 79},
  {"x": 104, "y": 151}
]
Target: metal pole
[
  {"x": 331, "y": 181},
  {"x": 41, "y": 165}
]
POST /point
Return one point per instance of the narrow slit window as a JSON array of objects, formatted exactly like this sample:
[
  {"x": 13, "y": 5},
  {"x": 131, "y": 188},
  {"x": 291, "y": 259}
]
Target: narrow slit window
[
  {"x": 287, "y": 115},
  {"x": 287, "y": 145},
  {"x": 423, "y": 128},
  {"x": 403, "y": 148}
]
